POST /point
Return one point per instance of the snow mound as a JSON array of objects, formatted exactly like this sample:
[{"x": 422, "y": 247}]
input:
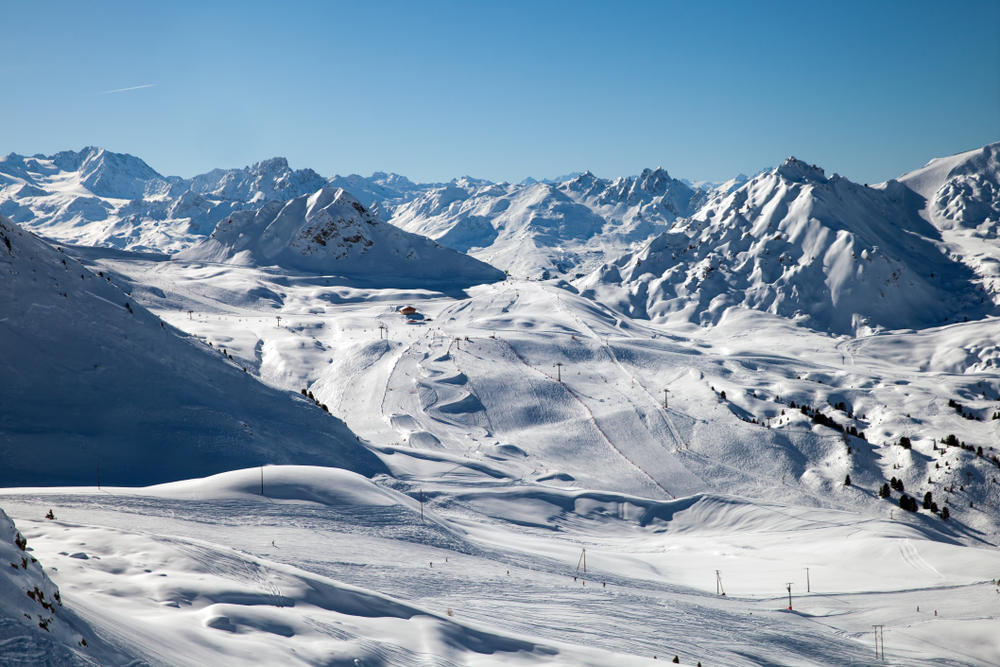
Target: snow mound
[
  {"x": 329, "y": 231},
  {"x": 325, "y": 486},
  {"x": 98, "y": 388},
  {"x": 837, "y": 256}
]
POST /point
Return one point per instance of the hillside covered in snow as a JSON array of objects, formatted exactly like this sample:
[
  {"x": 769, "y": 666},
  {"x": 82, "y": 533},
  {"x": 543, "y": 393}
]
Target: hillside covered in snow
[
  {"x": 98, "y": 388},
  {"x": 329, "y": 231}
]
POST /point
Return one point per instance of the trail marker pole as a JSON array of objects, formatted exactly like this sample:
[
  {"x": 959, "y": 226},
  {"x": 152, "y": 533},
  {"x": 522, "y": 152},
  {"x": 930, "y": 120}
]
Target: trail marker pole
[
  {"x": 808, "y": 585},
  {"x": 98, "y": 476},
  {"x": 559, "y": 371},
  {"x": 262, "y": 480},
  {"x": 421, "y": 505},
  {"x": 665, "y": 392},
  {"x": 278, "y": 318},
  {"x": 879, "y": 641},
  {"x": 789, "y": 587}
]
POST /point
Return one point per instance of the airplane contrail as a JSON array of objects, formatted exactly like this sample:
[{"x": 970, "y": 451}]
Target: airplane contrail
[{"x": 122, "y": 90}]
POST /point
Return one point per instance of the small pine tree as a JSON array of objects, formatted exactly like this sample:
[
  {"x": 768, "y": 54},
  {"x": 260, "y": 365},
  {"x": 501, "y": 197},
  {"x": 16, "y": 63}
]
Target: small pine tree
[
  {"x": 928, "y": 500},
  {"x": 945, "y": 513},
  {"x": 847, "y": 481},
  {"x": 884, "y": 492},
  {"x": 904, "y": 442}
]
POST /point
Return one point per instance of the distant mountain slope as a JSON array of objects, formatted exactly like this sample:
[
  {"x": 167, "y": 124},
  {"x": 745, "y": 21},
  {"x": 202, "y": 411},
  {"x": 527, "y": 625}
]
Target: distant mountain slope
[
  {"x": 539, "y": 229},
  {"x": 329, "y": 231},
  {"x": 97, "y": 197},
  {"x": 91, "y": 379},
  {"x": 381, "y": 188},
  {"x": 836, "y": 255},
  {"x": 962, "y": 199},
  {"x": 962, "y": 190}
]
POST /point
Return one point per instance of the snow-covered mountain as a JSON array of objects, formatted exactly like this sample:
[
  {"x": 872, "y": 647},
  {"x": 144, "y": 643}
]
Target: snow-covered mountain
[
  {"x": 838, "y": 256},
  {"x": 95, "y": 385},
  {"x": 540, "y": 229},
  {"x": 97, "y": 197},
  {"x": 329, "y": 231},
  {"x": 962, "y": 198},
  {"x": 385, "y": 190}
]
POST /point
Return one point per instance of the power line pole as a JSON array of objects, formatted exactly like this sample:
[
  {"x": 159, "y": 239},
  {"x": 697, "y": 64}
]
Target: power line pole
[
  {"x": 665, "y": 392},
  {"x": 719, "y": 590},
  {"x": 583, "y": 559},
  {"x": 808, "y": 585},
  {"x": 789, "y": 587},
  {"x": 559, "y": 371},
  {"x": 879, "y": 641},
  {"x": 262, "y": 480},
  {"x": 421, "y": 505}
]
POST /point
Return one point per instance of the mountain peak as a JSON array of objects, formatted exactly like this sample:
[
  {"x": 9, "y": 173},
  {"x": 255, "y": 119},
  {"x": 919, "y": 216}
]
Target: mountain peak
[
  {"x": 796, "y": 170},
  {"x": 270, "y": 165}
]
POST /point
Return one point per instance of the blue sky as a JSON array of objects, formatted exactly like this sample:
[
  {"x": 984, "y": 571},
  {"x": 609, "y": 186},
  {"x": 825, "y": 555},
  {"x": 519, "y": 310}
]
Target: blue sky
[{"x": 504, "y": 90}]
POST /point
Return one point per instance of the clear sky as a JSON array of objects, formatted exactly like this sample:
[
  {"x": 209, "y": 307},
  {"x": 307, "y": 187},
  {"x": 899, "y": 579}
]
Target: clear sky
[{"x": 504, "y": 90}]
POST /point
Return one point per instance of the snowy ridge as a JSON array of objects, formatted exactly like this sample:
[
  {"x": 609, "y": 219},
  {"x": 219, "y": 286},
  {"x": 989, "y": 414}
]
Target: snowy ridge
[
  {"x": 97, "y": 197},
  {"x": 97, "y": 385},
  {"x": 962, "y": 199},
  {"x": 329, "y": 231},
  {"x": 539, "y": 228},
  {"x": 836, "y": 255}
]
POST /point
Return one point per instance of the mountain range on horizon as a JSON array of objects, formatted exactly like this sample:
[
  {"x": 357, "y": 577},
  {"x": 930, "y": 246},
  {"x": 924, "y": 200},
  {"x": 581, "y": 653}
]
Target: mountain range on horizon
[{"x": 790, "y": 240}]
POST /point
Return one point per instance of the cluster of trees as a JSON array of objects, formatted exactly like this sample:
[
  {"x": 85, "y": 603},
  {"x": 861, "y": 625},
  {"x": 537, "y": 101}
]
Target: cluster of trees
[
  {"x": 309, "y": 395},
  {"x": 960, "y": 409},
  {"x": 818, "y": 417},
  {"x": 909, "y": 503}
]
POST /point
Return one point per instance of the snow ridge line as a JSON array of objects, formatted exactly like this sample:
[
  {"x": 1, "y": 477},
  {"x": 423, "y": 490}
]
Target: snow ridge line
[{"x": 593, "y": 419}]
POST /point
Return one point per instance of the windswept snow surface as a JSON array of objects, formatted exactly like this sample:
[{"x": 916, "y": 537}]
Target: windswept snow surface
[
  {"x": 338, "y": 569},
  {"x": 35, "y": 627}
]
